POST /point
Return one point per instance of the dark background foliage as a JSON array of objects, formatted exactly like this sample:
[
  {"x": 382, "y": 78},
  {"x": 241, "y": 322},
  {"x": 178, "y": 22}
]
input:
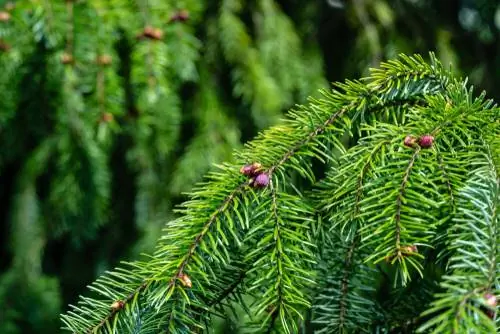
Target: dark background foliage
[{"x": 80, "y": 191}]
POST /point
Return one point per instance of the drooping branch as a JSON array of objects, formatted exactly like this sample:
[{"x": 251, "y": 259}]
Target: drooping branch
[{"x": 307, "y": 130}]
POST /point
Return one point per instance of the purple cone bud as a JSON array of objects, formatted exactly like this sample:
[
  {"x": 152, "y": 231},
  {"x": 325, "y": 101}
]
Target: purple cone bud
[
  {"x": 262, "y": 180},
  {"x": 246, "y": 170},
  {"x": 426, "y": 141},
  {"x": 409, "y": 141},
  {"x": 250, "y": 169}
]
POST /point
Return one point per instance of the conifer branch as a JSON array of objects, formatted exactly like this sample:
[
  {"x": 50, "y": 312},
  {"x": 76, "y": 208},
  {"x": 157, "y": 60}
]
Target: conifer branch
[
  {"x": 220, "y": 210},
  {"x": 399, "y": 202},
  {"x": 115, "y": 310},
  {"x": 226, "y": 202},
  {"x": 100, "y": 87},
  {"x": 446, "y": 180},
  {"x": 364, "y": 171},
  {"x": 232, "y": 235},
  {"x": 300, "y": 143},
  {"x": 343, "y": 301},
  {"x": 276, "y": 309},
  {"x": 474, "y": 265},
  {"x": 230, "y": 289},
  {"x": 345, "y": 283}
]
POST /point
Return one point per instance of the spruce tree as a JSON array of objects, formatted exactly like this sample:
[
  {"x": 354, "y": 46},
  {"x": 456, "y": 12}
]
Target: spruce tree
[
  {"x": 400, "y": 234},
  {"x": 111, "y": 110}
]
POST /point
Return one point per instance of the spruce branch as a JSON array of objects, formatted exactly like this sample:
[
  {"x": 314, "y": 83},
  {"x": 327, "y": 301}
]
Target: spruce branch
[
  {"x": 399, "y": 200},
  {"x": 114, "y": 310},
  {"x": 364, "y": 171},
  {"x": 229, "y": 220},
  {"x": 221, "y": 209},
  {"x": 253, "y": 82},
  {"x": 230, "y": 289},
  {"x": 282, "y": 249},
  {"x": 447, "y": 180},
  {"x": 344, "y": 289},
  {"x": 344, "y": 298},
  {"x": 225, "y": 204},
  {"x": 279, "y": 259},
  {"x": 474, "y": 266}
]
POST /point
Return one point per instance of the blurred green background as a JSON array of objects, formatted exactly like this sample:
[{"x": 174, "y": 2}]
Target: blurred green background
[{"x": 111, "y": 110}]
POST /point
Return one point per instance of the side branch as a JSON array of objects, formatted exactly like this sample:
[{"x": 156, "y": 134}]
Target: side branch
[
  {"x": 364, "y": 170},
  {"x": 279, "y": 256},
  {"x": 181, "y": 267},
  {"x": 446, "y": 180},
  {"x": 205, "y": 230},
  {"x": 224, "y": 294},
  {"x": 399, "y": 200},
  {"x": 320, "y": 129},
  {"x": 116, "y": 310},
  {"x": 344, "y": 284}
]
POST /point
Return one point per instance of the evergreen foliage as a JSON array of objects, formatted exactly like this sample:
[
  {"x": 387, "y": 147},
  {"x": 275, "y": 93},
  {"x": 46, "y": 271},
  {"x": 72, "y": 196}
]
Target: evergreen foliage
[
  {"x": 110, "y": 111},
  {"x": 420, "y": 180}
]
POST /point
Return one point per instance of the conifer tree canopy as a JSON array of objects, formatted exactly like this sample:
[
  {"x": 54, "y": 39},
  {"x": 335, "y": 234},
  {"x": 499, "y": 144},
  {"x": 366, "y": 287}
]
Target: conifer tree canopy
[
  {"x": 355, "y": 249},
  {"x": 366, "y": 206}
]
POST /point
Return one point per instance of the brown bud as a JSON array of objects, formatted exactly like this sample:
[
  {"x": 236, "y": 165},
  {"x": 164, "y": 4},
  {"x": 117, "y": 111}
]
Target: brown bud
[
  {"x": 157, "y": 34},
  {"x": 183, "y": 15},
  {"x": 404, "y": 251},
  {"x": 4, "y": 16},
  {"x": 117, "y": 305},
  {"x": 250, "y": 169},
  {"x": 148, "y": 31},
  {"x": 107, "y": 117},
  {"x": 152, "y": 33},
  {"x": 66, "y": 58},
  {"x": 426, "y": 141},
  {"x": 410, "y": 141},
  {"x": 185, "y": 280},
  {"x": 104, "y": 60}
]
